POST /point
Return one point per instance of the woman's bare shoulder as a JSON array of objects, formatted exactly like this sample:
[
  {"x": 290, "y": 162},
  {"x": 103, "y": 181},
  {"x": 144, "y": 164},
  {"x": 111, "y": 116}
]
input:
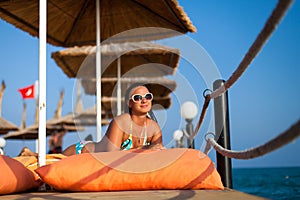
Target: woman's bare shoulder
[
  {"x": 153, "y": 127},
  {"x": 122, "y": 121},
  {"x": 122, "y": 117}
]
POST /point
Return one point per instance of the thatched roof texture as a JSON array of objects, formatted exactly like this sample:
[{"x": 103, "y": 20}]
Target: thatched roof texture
[
  {"x": 136, "y": 59},
  {"x": 72, "y": 23},
  {"x": 5, "y": 125}
]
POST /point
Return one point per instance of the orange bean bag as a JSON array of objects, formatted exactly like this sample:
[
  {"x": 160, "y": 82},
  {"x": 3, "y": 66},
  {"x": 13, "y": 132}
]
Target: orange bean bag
[
  {"x": 177, "y": 168},
  {"x": 15, "y": 177}
]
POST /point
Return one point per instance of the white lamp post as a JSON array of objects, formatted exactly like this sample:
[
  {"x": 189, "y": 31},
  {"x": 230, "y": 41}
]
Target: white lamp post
[{"x": 189, "y": 111}]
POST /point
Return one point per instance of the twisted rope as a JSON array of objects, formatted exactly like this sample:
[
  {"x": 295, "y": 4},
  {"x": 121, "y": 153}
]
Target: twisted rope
[
  {"x": 284, "y": 138},
  {"x": 261, "y": 39}
]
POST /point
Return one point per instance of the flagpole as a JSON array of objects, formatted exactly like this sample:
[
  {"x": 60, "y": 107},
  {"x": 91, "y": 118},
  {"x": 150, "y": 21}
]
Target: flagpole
[{"x": 42, "y": 83}]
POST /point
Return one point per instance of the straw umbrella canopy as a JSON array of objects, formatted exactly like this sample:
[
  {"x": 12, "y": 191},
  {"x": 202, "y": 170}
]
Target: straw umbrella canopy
[
  {"x": 145, "y": 58},
  {"x": 31, "y": 132},
  {"x": 52, "y": 125},
  {"x": 72, "y": 23},
  {"x": 133, "y": 59},
  {"x": 88, "y": 117},
  {"x": 69, "y": 123},
  {"x": 70, "y": 119},
  {"x": 57, "y": 123},
  {"x": 5, "y": 125}
]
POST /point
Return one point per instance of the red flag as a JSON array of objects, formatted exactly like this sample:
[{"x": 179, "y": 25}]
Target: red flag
[{"x": 27, "y": 92}]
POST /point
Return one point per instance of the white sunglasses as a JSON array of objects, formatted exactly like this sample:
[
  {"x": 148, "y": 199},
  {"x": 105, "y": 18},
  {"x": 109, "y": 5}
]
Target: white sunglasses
[{"x": 138, "y": 97}]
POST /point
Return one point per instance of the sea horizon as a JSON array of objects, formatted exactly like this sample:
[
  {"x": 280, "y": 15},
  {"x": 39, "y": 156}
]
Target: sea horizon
[{"x": 269, "y": 182}]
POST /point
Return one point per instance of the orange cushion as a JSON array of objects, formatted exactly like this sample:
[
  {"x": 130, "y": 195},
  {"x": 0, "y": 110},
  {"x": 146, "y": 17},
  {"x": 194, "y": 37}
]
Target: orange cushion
[
  {"x": 133, "y": 170},
  {"x": 15, "y": 177}
]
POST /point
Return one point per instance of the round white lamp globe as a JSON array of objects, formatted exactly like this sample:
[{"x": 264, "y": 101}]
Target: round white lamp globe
[
  {"x": 2, "y": 142},
  {"x": 177, "y": 135},
  {"x": 189, "y": 110}
]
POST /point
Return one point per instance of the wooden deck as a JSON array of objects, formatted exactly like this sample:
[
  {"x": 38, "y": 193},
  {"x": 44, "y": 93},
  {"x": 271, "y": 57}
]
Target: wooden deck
[{"x": 226, "y": 194}]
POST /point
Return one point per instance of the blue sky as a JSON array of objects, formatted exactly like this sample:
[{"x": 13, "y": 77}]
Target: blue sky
[{"x": 263, "y": 103}]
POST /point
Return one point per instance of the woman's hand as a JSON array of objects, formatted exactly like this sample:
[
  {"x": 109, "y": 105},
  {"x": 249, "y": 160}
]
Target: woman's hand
[{"x": 151, "y": 146}]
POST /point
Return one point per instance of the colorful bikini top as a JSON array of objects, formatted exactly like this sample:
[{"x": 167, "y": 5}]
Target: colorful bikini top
[{"x": 127, "y": 144}]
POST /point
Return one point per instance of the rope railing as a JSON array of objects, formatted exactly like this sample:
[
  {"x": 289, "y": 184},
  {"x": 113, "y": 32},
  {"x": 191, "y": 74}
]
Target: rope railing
[
  {"x": 261, "y": 39},
  {"x": 282, "y": 139}
]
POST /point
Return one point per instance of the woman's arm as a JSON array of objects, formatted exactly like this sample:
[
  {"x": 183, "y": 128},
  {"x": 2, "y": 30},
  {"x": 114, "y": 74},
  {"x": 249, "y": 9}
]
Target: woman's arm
[
  {"x": 156, "y": 140},
  {"x": 112, "y": 139}
]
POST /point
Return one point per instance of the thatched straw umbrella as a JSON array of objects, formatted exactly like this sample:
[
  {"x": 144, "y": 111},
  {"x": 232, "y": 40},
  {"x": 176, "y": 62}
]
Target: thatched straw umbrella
[
  {"x": 133, "y": 60},
  {"x": 5, "y": 126},
  {"x": 71, "y": 118},
  {"x": 136, "y": 59},
  {"x": 73, "y": 23},
  {"x": 57, "y": 123},
  {"x": 31, "y": 132}
]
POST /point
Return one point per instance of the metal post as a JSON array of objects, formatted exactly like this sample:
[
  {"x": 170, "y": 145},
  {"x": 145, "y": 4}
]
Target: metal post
[
  {"x": 180, "y": 143},
  {"x": 222, "y": 134},
  {"x": 189, "y": 129}
]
